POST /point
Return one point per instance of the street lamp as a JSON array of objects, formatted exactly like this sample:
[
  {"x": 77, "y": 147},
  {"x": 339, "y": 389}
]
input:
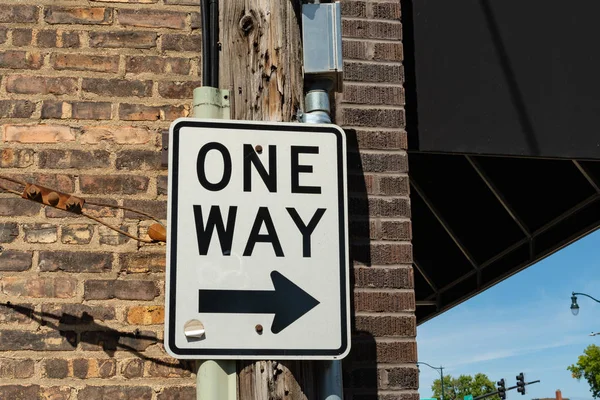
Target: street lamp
[
  {"x": 575, "y": 306},
  {"x": 440, "y": 369}
]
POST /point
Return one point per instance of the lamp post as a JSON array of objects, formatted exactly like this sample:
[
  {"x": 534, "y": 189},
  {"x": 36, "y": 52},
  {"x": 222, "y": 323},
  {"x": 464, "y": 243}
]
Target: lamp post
[
  {"x": 440, "y": 369},
  {"x": 575, "y": 306}
]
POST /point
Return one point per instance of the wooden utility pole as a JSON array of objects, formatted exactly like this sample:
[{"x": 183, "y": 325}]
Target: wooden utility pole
[{"x": 261, "y": 65}]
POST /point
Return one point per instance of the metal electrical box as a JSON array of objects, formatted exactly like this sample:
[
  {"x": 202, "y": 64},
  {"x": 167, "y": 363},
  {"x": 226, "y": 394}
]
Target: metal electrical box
[{"x": 322, "y": 37}]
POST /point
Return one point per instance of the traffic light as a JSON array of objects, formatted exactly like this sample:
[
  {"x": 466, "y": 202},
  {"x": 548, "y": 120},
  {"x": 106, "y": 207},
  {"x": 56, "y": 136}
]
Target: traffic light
[
  {"x": 521, "y": 383},
  {"x": 502, "y": 389}
]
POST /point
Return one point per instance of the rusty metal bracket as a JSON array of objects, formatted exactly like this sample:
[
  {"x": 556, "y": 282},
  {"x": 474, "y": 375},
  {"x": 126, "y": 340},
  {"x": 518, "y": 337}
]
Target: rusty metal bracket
[{"x": 53, "y": 198}]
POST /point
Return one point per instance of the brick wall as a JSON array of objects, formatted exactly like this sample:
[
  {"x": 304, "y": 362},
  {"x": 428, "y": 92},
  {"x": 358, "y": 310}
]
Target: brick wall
[{"x": 86, "y": 89}]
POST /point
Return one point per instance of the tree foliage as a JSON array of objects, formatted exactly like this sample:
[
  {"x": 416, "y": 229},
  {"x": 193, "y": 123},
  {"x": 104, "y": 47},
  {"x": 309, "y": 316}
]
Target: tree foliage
[
  {"x": 458, "y": 388},
  {"x": 588, "y": 367}
]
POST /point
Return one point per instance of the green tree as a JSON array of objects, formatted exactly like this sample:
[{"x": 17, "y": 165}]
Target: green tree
[
  {"x": 588, "y": 367},
  {"x": 458, "y": 388}
]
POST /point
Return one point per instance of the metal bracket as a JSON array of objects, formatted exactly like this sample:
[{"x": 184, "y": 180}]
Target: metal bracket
[{"x": 209, "y": 102}]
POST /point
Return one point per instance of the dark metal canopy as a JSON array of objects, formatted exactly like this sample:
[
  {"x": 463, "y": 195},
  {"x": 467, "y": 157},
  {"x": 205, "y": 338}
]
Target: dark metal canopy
[{"x": 503, "y": 108}]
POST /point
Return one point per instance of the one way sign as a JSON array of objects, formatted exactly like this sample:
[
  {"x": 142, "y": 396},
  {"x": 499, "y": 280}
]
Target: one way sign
[{"x": 257, "y": 256}]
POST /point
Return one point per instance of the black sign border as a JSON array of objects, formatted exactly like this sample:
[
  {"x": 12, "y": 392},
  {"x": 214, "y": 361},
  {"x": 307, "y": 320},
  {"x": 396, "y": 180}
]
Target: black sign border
[{"x": 172, "y": 242}]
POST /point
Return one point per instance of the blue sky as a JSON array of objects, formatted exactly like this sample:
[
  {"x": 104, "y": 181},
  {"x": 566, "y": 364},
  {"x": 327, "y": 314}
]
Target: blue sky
[{"x": 523, "y": 324}]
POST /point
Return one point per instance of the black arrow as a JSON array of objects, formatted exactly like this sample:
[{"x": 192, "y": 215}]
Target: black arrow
[{"x": 288, "y": 302}]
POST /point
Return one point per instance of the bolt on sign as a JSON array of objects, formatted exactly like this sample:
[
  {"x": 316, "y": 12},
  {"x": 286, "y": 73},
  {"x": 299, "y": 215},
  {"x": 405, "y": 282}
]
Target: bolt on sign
[{"x": 257, "y": 250}]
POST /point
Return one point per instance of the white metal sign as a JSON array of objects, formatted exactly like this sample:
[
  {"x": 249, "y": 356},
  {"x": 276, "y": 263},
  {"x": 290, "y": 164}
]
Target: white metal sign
[{"x": 257, "y": 256}]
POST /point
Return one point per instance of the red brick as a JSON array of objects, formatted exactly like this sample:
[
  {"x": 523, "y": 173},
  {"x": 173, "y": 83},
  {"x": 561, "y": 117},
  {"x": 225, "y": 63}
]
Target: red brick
[
  {"x": 156, "y": 208},
  {"x": 3, "y": 35},
  {"x": 38, "y": 133},
  {"x": 40, "y": 233},
  {"x": 384, "y": 254},
  {"x": 354, "y": 9},
  {"x": 157, "y": 65},
  {"x": 117, "y": 340},
  {"x": 78, "y": 314},
  {"x": 16, "y": 313},
  {"x": 138, "y": 160},
  {"x": 384, "y": 301},
  {"x": 117, "y": 134},
  {"x": 146, "y": 315},
  {"x": 142, "y": 262},
  {"x": 41, "y": 340},
  {"x": 78, "y": 15},
  {"x": 16, "y": 368},
  {"x": 133, "y": 368},
  {"x": 77, "y": 234},
  {"x": 120, "y": 289},
  {"x": 38, "y": 287},
  {"x": 373, "y": 72},
  {"x": 111, "y": 237},
  {"x": 390, "y": 207},
  {"x": 384, "y": 140},
  {"x": 387, "y": 325},
  {"x": 401, "y": 378},
  {"x": 77, "y": 110},
  {"x": 162, "y": 183},
  {"x": 68, "y": 261},
  {"x": 12, "y": 13},
  {"x": 117, "y": 87},
  {"x": 16, "y": 158},
  {"x": 22, "y": 37},
  {"x": 13, "y": 260},
  {"x": 128, "y": 1},
  {"x": 123, "y": 39},
  {"x": 395, "y": 230},
  {"x": 177, "y": 42},
  {"x": 386, "y": 10},
  {"x": 47, "y": 38},
  {"x": 152, "y": 19},
  {"x": 166, "y": 368},
  {"x": 116, "y": 392},
  {"x": 40, "y": 85},
  {"x": 79, "y": 368},
  {"x": 9, "y": 231},
  {"x": 183, "y": 2},
  {"x": 140, "y": 112},
  {"x": 373, "y": 117},
  {"x": 364, "y": 350},
  {"x": 62, "y": 183},
  {"x": 393, "y": 278},
  {"x": 70, "y": 40},
  {"x": 195, "y": 20},
  {"x": 16, "y": 108},
  {"x": 371, "y": 29},
  {"x": 13, "y": 207},
  {"x": 384, "y": 95},
  {"x": 388, "y": 51},
  {"x": 394, "y": 185},
  {"x": 178, "y": 90},
  {"x": 20, "y": 392},
  {"x": 355, "y": 49},
  {"x": 84, "y": 62},
  {"x": 114, "y": 184},
  {"x": 20, "y": 60},
  {"x": 80, "y": 159},
  {"x": 177, "y": 392}
]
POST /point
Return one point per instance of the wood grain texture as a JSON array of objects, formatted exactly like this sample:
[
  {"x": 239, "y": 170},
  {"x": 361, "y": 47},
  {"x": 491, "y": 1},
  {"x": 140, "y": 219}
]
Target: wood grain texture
[
  {"x": 261, "y": 65},
  {"x": 261, "y": 58}
]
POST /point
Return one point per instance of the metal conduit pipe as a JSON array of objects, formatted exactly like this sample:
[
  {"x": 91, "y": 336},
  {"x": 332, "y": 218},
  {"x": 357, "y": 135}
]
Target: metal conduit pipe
[
  {"x": 206, "y": 64},
  {"x": 317, "y": 110}
]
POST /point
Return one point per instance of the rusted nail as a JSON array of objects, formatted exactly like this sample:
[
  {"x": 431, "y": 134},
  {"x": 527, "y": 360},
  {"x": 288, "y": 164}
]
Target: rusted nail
[
  {"x": 259, "y": 329},
  {"x": 53, "y": 198},
  {"x": 258, "y": 148}
]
